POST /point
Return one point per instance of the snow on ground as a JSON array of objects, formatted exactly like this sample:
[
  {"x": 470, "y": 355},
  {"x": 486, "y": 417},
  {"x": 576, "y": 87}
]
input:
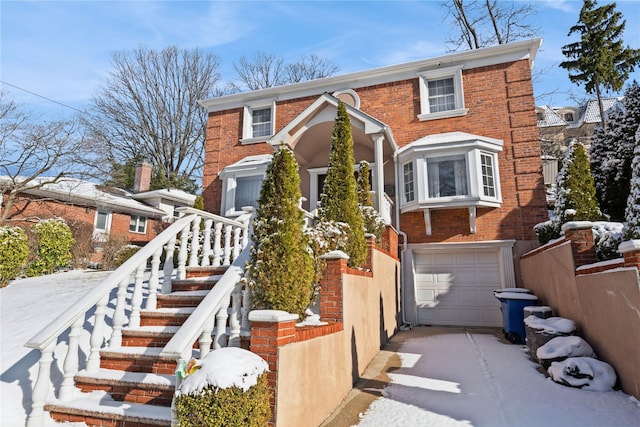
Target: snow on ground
[
  {"x": 476, "y": 380},
  {"x": 446, "y": 380},
  {"x": 27, "y": 306}
]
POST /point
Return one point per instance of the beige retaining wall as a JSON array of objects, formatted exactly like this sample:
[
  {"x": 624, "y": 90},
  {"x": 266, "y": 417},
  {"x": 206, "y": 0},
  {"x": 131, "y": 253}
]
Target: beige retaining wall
[
  {"x": 605, "y": 306},
  {"x": 314, "y": 376}
]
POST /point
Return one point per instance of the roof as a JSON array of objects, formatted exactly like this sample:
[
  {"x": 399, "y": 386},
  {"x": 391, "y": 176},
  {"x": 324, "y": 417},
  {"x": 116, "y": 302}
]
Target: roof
[
  {"x": 469, "y": 59},
  {"x": 550, "y": 117},
  {"x": 592, "y": 111},
  {"x": 85, "y": 193},
  {"x": 172, "y": 194}
]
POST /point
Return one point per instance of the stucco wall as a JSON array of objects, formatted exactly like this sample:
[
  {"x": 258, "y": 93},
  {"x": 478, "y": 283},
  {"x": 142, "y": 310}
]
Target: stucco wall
[
  {"x": 315, "y": 375},
  {"x": 605, "y": 307}
]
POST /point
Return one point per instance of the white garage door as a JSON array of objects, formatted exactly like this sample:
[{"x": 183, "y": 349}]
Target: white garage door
[{"x": 456, "y": 287}]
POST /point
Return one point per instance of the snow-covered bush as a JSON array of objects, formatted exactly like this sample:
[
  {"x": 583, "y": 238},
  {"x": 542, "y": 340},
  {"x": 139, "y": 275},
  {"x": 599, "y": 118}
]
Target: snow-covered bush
[
  {"x": 229, "y": 388},
  {"x": 54, "y": 243},
  {"x": 281, "y": 272},
  {"x": 632, "y": 213},
  {"x": 339, "y": 198},
  {"x": 124, "y": 254},
  {"x": 586, "y": 373},
  {"x": 373, "y": 223},
  {"x": 607, "y": 236},
  {"x": 14, "y": 252},
  {"x": 547, "y": 231}
]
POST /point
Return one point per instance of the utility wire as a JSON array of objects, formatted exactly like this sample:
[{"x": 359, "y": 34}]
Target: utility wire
[{"x": 43, "y": 97}]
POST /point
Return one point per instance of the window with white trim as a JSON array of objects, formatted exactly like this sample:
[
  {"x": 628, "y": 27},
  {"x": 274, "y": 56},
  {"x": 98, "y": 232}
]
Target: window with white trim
[
  {"x": 138, "y": 224},
  {"x": 258, "y": 122},
  {"x": 241, "y": 184},
  {"x": 102, "y": 221},
  {"x": 450, "y": 171},
  {"x": 441, "y": 93}
]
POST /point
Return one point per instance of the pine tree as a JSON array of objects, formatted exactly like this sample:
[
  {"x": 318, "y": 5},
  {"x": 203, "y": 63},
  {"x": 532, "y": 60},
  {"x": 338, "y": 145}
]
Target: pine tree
[
  {"x": 281, "y": 268},
  {"x": 575, "y": 189},
  {"x": 632, "y": 215},
  {"x": 339, "y": 198},
  {"x": 612, "y": 153},
  {"x": 599, "y": 59}
]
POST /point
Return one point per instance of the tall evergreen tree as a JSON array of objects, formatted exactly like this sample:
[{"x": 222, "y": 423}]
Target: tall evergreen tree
[
  {"x": 364, "y": 185},
  {"x": 599, "y": 59},
  {"x": 339, "y": 198},
  {"x": 612, "y": 153},
  {"x": 632, "y": 215},
  {"x": 575, "y": 189},
  {"x": 281, "y": 268}
]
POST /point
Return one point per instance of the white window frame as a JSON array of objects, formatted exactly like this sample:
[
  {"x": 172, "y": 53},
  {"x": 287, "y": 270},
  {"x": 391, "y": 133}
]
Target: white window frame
[
  {"x": 314, "y": 195},
  {"x": 247, "y": 167},
  {"x": 425, "y": 77},
  {"x": 139, "y": 219},
  {"x": 107, "y": 227},
  {"x": 473, "y": 149},
  {"x": 247, "y": 122}
]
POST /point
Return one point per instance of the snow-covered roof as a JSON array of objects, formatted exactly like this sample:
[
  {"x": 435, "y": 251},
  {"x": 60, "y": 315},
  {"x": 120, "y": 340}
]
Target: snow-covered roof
[
  {"x": 172, "y": 194},
  {"x": 249, "y": 163},
  {"x": 549, "y": 118},
  {"x": 591, "y": 112},
  {"x": 86, "y": 193}
]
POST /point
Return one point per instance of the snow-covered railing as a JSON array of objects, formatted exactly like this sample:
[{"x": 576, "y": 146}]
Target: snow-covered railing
[
  {"x": 217, "y": 243},
  {"x": 223, "y": 303}
]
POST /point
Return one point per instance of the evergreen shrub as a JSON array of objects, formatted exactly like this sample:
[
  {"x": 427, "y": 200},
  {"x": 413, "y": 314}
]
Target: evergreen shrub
[
  {"x": 339, "y": 198},
  {"x": 215, "y": 407},
  {"x": 54, "y": 243},
  {"x": 123, "y": 254},
  {"x": 14, "y": 253},
  {"x": 373, "y": 223},
  {"x": 281, "y": 270}
]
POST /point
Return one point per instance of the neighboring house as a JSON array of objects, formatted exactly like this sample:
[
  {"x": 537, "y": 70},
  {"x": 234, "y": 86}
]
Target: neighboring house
[
  {"x": 107, "y": 210},
  {"x": 455, "y": 159},
  {"x": 558, "y": 126}
]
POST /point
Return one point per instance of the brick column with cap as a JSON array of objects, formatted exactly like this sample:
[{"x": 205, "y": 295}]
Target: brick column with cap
[
  {"x": 630, "y": 250},
  {"x": 269, "y": 330},
  {"x": 583, "y": 246},
  {"x": 331, "y": 286}
]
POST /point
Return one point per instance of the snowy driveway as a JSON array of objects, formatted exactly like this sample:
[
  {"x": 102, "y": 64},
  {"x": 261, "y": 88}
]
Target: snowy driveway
[{"x": 465, "y": 378}]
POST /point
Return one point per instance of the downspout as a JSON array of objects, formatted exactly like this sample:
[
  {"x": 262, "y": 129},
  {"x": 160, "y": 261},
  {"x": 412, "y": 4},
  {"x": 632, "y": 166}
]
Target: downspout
[{"x": 405, "y": 324}]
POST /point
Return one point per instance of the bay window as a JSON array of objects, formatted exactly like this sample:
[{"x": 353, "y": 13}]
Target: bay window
[{"x": 241, "y": 184}]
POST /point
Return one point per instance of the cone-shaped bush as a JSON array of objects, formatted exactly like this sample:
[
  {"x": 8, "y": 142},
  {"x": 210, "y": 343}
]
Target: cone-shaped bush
[
  {"x": 373, "y": 224},
  {"x": 575, "y": 188},
  {"x": 339, "y": 198},
  {"x": 281, "y": 269},
  {"x": 632, "y": 213}
]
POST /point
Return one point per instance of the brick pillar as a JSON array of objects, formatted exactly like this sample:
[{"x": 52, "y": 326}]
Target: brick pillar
[
  {"x": 583, "y": 246},
  {"x": 371, "y": 243},
  {"x": 630, "y": 250},
  {"x": 269, "y": 330},
  {"x": 331, "y": 286},
  {"x": 390, "y": 240}
]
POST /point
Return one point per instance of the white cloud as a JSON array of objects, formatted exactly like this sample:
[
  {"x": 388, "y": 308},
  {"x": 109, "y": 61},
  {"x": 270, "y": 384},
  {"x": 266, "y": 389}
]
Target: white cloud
[{"x": 563, "y": 5}]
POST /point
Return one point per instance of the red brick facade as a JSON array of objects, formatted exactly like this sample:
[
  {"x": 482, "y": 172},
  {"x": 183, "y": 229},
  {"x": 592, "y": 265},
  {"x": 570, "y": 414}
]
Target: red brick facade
[{"x": 500, "y": 105}]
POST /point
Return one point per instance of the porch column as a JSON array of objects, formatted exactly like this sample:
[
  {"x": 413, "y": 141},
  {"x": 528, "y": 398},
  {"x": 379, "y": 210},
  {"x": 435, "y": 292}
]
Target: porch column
[{"x": 378, "y": 139}]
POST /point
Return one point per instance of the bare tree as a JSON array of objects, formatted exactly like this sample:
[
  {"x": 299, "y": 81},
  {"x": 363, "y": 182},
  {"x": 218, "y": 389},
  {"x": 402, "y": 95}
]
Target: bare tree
[
  {"x": 265, "y": 70},
  {"x": 147, "y": 108},
  {"x": 483, "y": 23},
  {"x": 34, "y": 154}
]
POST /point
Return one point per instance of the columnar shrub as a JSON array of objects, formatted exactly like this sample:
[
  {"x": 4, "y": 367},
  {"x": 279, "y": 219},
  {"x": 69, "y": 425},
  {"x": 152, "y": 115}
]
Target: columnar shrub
[
  {"x": 14, "y": 252},
  {"x": 632, "y": 213},
  {"x": 281, "y": 270},
  {"x": 55, "y": 241},
  {"x": 339, "y": 198}
]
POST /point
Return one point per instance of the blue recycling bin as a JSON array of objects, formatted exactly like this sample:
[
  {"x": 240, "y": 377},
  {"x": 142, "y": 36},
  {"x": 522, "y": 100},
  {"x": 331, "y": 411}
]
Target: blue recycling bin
[{"x": 512, "y": 303}]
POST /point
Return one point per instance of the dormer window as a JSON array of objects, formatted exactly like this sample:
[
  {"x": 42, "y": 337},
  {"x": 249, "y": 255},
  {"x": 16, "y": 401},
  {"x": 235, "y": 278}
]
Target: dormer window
[
  {"x": 441, "y": 93},
  {"x": 568, "y": 117},
  {"x": 258, "y": 122}
]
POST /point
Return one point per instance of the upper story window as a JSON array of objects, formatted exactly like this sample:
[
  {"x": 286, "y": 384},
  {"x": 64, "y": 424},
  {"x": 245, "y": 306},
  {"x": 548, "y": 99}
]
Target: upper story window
[
  {"x": 568, "y": 117},
  {"x": 450, "y": 170},
  {"x": 441, "y": 93},
  {"x": 241, "y": 184},
  {"x": 258, "y": 122},
  {"x": 138, "y": 224}
]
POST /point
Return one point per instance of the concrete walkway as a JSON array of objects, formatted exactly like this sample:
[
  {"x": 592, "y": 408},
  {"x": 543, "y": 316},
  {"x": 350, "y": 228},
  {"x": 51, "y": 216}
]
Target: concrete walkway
[{"x": 375, "y": 378}]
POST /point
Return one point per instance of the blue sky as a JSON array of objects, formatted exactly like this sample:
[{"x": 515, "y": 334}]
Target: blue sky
[{"x": 61, "y": 49}]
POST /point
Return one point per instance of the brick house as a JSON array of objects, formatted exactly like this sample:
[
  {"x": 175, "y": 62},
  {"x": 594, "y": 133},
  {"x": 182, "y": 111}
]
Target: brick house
[
  {"x": 107, "y": 211},
  {"x": 455, "y": 157}
]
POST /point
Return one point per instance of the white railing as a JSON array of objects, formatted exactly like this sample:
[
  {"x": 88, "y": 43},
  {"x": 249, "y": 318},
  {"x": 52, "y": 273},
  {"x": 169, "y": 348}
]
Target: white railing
[{"x": 218, "y": 243}]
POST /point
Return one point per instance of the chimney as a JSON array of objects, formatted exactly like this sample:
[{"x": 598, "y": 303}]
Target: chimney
[{"x": 142, "y": 179}]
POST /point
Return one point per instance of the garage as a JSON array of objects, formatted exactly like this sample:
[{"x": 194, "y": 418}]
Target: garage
[{"x": 455, "y": 286}]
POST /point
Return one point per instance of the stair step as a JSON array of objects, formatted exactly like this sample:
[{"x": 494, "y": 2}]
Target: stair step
[
  {"x": 137, "y": 387},
  {"x": 195, "y": 283},
  {"x": 181, "y": 299},
  {"x": 137, "y": 359},
  {"x": 192, "y": 272},
  {"x": 98, "y": 409},
  {"x": 165, "y": 316},
  {"x": 148, "y": 336}
]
